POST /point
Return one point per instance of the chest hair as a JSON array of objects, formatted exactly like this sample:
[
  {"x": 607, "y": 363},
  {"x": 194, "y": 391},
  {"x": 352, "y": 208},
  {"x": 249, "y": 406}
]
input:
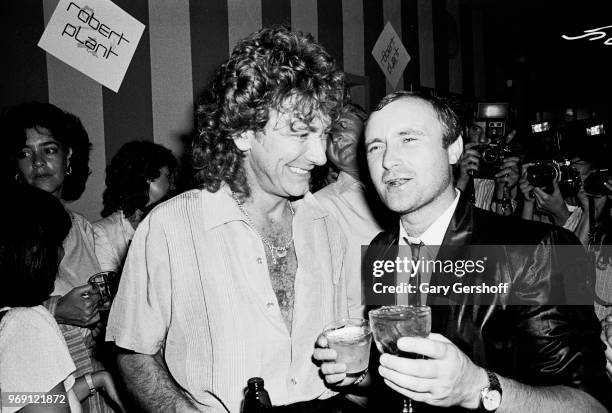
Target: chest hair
[{"x": 282, "y": 274}]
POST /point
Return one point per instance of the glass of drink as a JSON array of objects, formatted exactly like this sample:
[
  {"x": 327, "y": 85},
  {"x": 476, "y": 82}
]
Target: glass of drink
[
  {"x": 351, "y": 338},
  {"x": 105, "y": 283},
  {"x": 390, "y": 323}
]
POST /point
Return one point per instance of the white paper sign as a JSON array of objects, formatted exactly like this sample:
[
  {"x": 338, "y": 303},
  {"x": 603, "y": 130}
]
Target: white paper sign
[
  {"x": 95, "y": 37},
  {"x": 391, "y": 55}
]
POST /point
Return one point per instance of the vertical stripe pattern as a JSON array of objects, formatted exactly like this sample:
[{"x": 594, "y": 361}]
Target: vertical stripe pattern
[
  {"x": 209, "y": 47},
  {"x": 410, "y": 38},
  {"x": 373, "y": 22},
  {"x": 244, "y": 17},
  {"x": 329, "y": 13},
  {"x": 440, "y": 49},
  {"x": 426, "y": 44},
  {"x": 171, "y": 80},
  {"x": 185, "y": 41},
  {"x": 127, "y": 114},
  {"x": 24, "y": 66},
  {"x": 276, "y": 12},
  {"x": 304, "y": 16},
  {"x": 392, "y": 13},
  {"x": 455, "y": 63},
  {"x": 352, "y": 36}
]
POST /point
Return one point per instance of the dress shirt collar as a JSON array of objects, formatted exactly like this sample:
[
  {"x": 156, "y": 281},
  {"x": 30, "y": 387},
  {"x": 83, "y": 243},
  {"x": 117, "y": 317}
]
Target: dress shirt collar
[
  {"x": 224, "y": 208},
  {"x": 434, "y": 235}
]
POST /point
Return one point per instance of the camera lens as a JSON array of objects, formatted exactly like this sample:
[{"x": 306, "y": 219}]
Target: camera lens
[
  {"x": 542, "y": 175},
  {"x": 490, "y": 155}
]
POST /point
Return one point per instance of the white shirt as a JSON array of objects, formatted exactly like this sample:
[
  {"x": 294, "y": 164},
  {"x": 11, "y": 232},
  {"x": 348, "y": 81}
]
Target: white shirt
[
  {"x": 196, "y": 285},
  {"x": 33, "y": 354},
  {"x": 433, "y": 236},
  {"x": 346, "y": 201},
  {"x": 112, "y": 236}
]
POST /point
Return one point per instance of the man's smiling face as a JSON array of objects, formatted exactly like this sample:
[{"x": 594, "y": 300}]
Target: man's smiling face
[{"x": 283, "y": 154}]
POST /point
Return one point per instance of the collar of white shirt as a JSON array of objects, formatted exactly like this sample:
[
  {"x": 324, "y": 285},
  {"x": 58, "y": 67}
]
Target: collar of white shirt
[{"x": 434, "y": 235}]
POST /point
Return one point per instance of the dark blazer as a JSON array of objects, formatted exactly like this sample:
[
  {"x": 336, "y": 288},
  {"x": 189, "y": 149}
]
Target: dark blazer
[{"x": 523, "y": 334}]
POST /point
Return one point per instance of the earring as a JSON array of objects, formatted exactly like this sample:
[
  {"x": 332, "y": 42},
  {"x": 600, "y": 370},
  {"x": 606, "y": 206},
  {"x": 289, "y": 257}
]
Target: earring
[
  {"x": 69, "y": 170},
  {"x": 18, "y": 177}
]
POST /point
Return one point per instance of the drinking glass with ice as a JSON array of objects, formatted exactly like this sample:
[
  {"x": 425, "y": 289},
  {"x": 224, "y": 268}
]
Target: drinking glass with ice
[{"x": 351, "y": 338}]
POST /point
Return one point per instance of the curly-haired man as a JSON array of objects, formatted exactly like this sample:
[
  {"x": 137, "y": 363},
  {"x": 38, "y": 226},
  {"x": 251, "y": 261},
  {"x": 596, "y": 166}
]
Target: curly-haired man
[{"x": 237, "y": 278}]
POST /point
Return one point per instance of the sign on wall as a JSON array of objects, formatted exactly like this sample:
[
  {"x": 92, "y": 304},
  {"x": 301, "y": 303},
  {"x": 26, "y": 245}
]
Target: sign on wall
[
  {"x": 95, "y": 37},
  {"x": 391, "y": 55}
]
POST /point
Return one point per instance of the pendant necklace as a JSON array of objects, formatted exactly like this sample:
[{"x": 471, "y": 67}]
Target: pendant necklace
[{"x": 275, "y": 252}]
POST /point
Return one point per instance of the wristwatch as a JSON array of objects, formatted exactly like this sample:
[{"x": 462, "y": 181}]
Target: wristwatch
[{"x": 491, "y": 396}]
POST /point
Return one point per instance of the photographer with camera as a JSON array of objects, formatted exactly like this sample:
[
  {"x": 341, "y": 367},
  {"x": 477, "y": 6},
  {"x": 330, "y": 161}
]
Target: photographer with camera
[
  {"x": 489, "y": 171},
  {"x": 552, "y": 190}
]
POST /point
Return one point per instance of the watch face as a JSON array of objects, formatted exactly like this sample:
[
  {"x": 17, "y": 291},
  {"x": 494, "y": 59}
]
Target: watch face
[{"x": 491, "y": 400}]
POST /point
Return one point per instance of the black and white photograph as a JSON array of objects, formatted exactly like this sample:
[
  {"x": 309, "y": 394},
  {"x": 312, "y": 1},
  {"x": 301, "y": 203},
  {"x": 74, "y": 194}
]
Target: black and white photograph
[{"x": 306, "y": 206}]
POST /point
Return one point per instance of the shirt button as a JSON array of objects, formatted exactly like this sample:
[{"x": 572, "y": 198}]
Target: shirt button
[
  {"x": 293, "y": 381},
  {"x": 270, "y": 305},
  {"x": 259, "y": 260}
]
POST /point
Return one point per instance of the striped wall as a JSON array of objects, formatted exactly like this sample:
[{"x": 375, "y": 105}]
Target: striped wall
[{"x": 185, "y": 40}]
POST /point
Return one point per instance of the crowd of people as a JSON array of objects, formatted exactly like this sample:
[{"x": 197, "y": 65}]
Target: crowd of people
[{"x": 239, "y": 274}]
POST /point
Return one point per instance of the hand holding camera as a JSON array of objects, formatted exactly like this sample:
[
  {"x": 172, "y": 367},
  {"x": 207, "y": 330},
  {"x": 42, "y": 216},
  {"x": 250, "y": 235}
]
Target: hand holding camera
[
  {"x": 544, "y": 174},
  {"x": 525, "y": 186},
  {"x": 552, "y": 204},
  {"x": 508, "y": 176},
  {"x": 468, "y": 165}
]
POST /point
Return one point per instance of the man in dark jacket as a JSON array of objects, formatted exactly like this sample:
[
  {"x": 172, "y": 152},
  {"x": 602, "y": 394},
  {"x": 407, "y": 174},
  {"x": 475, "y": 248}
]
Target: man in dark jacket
[{"x": 512, "y": 350}]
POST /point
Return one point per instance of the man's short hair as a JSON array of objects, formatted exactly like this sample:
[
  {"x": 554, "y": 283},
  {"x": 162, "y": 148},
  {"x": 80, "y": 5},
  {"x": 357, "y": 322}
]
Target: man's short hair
[
  {"x": 451, "y": 124},
  {"x": 274, "y": 68}
]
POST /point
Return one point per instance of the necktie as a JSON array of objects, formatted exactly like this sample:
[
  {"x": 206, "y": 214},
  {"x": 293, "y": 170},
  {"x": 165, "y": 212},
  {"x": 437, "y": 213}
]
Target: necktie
[{"x": 415, "y": 249}]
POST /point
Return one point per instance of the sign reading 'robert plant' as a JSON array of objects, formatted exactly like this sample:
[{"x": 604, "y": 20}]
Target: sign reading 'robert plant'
[{"x": 95, "y": 37}]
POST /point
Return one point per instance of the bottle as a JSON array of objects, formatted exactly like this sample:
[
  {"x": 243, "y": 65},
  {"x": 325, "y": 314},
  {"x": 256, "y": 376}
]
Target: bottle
[{"x": 256, "y": 398}]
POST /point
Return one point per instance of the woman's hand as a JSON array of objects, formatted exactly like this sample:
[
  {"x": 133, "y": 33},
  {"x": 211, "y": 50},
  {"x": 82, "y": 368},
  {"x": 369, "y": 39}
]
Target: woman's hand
[
  {"x": 79, "y": 307},
  {"x": 103, "y": 382}
]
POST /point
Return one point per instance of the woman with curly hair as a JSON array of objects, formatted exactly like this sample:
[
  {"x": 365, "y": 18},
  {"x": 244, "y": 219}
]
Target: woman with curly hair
[
  {"x": 49, "y": 149},
  {"x": 139, "y": 176}
]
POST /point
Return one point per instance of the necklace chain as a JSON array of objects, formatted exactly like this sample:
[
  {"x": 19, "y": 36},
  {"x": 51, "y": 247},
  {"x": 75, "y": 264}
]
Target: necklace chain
[{"x": 275, "y": 252}]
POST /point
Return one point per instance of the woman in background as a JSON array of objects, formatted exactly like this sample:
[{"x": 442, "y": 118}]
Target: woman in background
[
  {"x": 139, "y": 176},
  {"x": 34, "y": 356},
  {"x": 49, "y": 149}
]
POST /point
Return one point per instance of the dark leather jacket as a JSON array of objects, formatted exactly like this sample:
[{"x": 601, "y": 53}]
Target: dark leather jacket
[{"x": 534, "y": 343}]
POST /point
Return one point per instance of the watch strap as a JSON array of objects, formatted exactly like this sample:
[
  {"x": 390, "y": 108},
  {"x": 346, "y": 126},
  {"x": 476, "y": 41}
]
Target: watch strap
[
  {"x": 89, "y": 381},
  {"x": 361, "y": 377},
  {"x": 493, "y": 381},
  {"x": 494, "y": 385}
]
